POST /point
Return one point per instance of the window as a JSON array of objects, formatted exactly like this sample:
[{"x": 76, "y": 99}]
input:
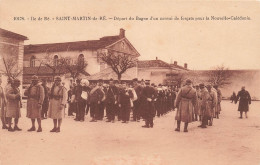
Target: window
[
  {"x": 32, "y": 61},
  {"x": 55, "y": 60},
  {"x": 81, "y": 59}
]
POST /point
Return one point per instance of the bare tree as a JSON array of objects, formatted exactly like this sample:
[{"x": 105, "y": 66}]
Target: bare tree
[
  {"x": 74, "y": 68},
  {"x": 219, "y": 76},
  {"x": 53, "y": 64},
  {"x": 119, "y": 62},
  {"x": 11, "y": 68}
]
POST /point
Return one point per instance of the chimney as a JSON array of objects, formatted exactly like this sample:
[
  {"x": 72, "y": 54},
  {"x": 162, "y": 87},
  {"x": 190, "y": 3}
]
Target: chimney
[
  {"x": 185, "y": 65},
  {"x": 156, "y": 58},
  {"x": 122, "y": 33},
  {"x": 175, "y": 63}
]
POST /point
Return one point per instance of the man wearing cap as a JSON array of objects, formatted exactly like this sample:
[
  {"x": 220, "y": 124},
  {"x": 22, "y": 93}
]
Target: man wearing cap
[
  {"x": 212, "y": 102},
  {"x": 58, "y": 98},
  {"x": 13, "y": 105},
  {"x": 111, "y": 101},
  {"x": 197, "y": 110},
  {"x": 148, "y": 95},
  {"x": 35, "y": 94},
  {"x": 204, "y": 107},
  {"x": 185, "y": 102},
  {"x": 244, "y": 100},
  {"x": 219, "y": 99},
  {"x": 96, "y": 96},
  {"x": 137, "y": 103},
  {"x": 79, "y": 101}
]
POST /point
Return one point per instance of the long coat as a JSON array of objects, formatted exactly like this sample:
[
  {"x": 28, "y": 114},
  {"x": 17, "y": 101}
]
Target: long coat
[
  {"x": 13, "y": 102},
  {"x": 186, "y": 101},
  {"x": 212, "y": 102},
  {"x": 148, "y": 106},
  {"x": 244, "y": 100},
  {"x": 35, "y": 97},
  {"x": 58, "y": 97},
  {"x": 2, "y": 102}
]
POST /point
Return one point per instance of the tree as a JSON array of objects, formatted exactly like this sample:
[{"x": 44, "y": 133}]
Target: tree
[
  {"x": 119, "y": 62},
  {"x": 11, "y": 68},
  {"x": 76, "y": 68},
  {"x": 52, "y": 63},
  {"x": 219, "y": 76}
]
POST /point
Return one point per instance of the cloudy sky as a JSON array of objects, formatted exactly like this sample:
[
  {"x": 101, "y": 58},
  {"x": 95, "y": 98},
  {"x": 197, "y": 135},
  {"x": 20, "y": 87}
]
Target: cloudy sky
[{"x": 201, "y": 44}]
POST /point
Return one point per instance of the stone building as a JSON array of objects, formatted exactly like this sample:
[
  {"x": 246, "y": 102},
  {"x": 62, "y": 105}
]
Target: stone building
[
  {"x": 88, "y": 50},
  {"x": 160, "y": 72},
  {"x": 11, "y": 49}
]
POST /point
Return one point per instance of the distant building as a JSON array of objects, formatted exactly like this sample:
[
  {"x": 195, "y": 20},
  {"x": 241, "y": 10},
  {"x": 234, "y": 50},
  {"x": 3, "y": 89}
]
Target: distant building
[
  {"x": 160, "y": 72},
  {"x": 11, "y": 46},
  {"x": 87, "y": 50}
]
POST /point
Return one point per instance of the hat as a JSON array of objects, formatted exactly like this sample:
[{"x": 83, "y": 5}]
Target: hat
[
  {"x": 188, "y": 81},
  {"x": 111, "y": 79},
  {"x": 135, "y": 79},
  {"x": 100, "y": 80},
  {"x": 202, "y": 85},
  {"x": 84, "y": 82},
  {"x": 58, "y": 78},
  {"x": 35, "y": 78},
  {"x": 16, "y": 81}
]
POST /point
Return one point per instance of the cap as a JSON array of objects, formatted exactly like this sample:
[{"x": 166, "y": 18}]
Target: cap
[
  {"x": 58, "y": 78},
  {"x": 135, "y": 79},
  {"x": 202, "y": 85},
  {"x": 188, "y": 81},
  {"x": 35, "y": 78},
  {"x": 100, "y": 80}
]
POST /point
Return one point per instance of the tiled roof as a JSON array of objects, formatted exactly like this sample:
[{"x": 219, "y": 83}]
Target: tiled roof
[
  {"x": 107, "y": 74},
  {"x": 9, "y": 34},
  {"x": 158, "y": 63},
  {"x": 68, "y": 46},
  {"x": 152, "y": 63},
  {"x": 44, "y": 70}
]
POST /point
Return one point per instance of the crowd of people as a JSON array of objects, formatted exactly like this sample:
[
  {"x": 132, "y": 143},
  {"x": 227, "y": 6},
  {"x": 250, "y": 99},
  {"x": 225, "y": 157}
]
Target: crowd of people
[{"x": 114, "y": 101}]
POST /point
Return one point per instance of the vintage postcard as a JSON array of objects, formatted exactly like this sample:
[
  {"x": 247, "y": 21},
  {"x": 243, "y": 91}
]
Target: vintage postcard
[{"x": 134, "y": 82}]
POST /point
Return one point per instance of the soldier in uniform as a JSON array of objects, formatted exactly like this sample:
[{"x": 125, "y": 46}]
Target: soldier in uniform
[
  {"x": 58, "y": 98},
  {"x": 2, "y": 106},
  {"x": 212, "y": 102},
  {"x": 197, "y": 108},
  {"x": 111, "y": 101},
  {"x": 244, "y": 100},
  {"x": 148, "y": 95},
  {"x": 45, "y": 104},
  {"x": 204, "y": 108},
  {"x": 35, "y": 95},
  {"x": 219, "y": 99},
  {"x": 101, "y": 106},
  {"x": 137, "y": 103},
  {"x": 185, "y": 102},
  {"x": 14, "y": 104}
]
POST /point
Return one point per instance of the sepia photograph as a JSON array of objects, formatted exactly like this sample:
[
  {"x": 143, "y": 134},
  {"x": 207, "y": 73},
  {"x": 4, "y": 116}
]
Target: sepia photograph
[{"x": 134, "y": 82}]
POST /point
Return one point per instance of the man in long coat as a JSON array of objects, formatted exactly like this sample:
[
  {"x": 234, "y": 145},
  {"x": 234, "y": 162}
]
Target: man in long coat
[
  {"x": 111, "y": 101},
  {"x": 13, "y": 106},
  {"x": 212, "y": 102},
  {"x": 96, "y": 96},
  {"x": 244, "y": 100},
  {"x": 148, "y": 96},
  {"x": 58, "y": 98},
  {"x": 35, "y": 95},
  {"x": 2, "y": 106},
  {"x": 137, "y": 103},
  {"x": 45, "y": 104},
  {"x": 204, "y": 107},
  {"x": 219, "y": 98},
  {"x": 185, "y": 102}
]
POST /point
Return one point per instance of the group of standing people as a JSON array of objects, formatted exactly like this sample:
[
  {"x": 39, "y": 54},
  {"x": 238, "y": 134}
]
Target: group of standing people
[
  {"x": 115, "y": 100},
  {"x": 39, "y": 100},
  {"x": 201, "y": 103},
  {"x": 118, "y": 100}
]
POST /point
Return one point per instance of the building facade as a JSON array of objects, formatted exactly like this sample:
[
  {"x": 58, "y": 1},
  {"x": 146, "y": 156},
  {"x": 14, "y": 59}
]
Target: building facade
[
  {"x": 90, "y": 50},
  {"x": 11, "y": 54}
]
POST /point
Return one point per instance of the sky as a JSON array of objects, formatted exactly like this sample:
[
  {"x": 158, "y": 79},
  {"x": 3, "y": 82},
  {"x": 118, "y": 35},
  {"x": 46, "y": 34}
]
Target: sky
[{"x": 202, "y": 44}]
